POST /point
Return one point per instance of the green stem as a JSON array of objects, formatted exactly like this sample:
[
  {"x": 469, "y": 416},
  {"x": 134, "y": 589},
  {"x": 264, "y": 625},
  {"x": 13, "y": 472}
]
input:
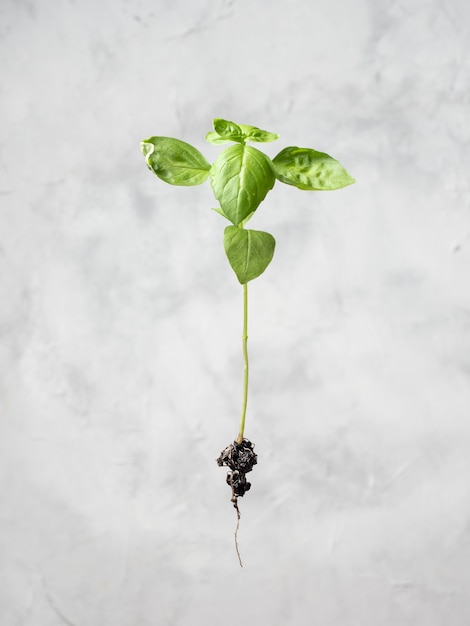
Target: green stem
[{"x": 245, "y": 362}]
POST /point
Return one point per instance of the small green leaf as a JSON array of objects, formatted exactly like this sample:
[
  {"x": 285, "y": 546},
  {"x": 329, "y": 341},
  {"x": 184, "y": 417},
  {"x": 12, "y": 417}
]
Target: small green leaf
[
  {"x": 247, "y": 219},
  {"x": 174, "y": 161},
  {"x": 216, "y": 139},
  {"x": 240, "y": 178},
  {"x": 226, "y": 131},
  {"x": 252, "y": 133},
  {"x": 229, "y": 131},
  {"x": 310, "y": 170},
  {"x": 249, "y": 251},
  {"x": 218, "y": 210}
]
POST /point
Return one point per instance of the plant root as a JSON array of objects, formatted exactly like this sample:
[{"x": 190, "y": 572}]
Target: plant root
[
  {"x": 237, "y": 548},
  {"x": 240, "y": 459}
]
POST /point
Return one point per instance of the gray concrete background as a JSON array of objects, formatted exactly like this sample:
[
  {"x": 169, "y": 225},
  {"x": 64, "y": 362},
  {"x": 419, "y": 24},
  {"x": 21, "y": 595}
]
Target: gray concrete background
[{"x": 120, "y": 319}]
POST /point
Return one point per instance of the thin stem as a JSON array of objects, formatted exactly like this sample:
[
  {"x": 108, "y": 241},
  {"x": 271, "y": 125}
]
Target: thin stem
[{"x": 245, "y": 362}]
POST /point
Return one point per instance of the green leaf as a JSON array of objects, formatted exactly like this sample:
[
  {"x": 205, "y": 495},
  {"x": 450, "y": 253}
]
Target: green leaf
[
  {"x": 252, "y": 133},
  {"x": 249, "y": 251},
  {"x": 226, "y": 131},
  {"x": 216, "y": 139},
  {"x": 240, "y": 178},
  {"x": 247, "y": 219},
  {"x": 310, "y": 170},
  {"x": 218, "y": 210},
  {"x": 174, "y": 161}
]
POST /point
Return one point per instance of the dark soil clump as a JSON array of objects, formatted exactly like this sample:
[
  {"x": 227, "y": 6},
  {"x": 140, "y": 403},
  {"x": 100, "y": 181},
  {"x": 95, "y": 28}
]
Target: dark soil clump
[{"x": 240, "y": 459}]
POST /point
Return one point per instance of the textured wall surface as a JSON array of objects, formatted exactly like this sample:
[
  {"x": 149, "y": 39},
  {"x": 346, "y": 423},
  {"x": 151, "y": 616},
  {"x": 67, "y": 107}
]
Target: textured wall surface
[{"x": 120, "y": 318}]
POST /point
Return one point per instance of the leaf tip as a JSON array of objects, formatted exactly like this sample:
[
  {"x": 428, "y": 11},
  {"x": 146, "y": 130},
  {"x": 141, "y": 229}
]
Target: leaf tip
[{"x": 146, "y": 147}]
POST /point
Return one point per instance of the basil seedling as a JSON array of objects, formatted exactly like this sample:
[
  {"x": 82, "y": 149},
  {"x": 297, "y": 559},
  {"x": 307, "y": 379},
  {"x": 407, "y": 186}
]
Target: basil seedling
[{"x": 240, "y": 178}]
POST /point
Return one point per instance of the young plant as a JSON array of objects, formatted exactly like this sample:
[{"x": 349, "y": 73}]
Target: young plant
[{"x": 240, "y": 178}]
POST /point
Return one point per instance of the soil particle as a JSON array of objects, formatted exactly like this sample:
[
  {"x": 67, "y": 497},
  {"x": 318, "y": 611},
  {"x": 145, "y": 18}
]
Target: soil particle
[{"x": 240, "y": 459}]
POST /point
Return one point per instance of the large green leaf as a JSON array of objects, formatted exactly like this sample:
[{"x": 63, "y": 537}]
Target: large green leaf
[
  {"x": 249, "y": 251},
  {"x": 240, "y": 178},
  {"x": 174, "y": 161},
  {"x": 310, "y": 170}
]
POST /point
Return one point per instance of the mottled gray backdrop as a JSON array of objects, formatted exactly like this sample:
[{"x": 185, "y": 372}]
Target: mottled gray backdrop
[{"x": 120, "y": 319}]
